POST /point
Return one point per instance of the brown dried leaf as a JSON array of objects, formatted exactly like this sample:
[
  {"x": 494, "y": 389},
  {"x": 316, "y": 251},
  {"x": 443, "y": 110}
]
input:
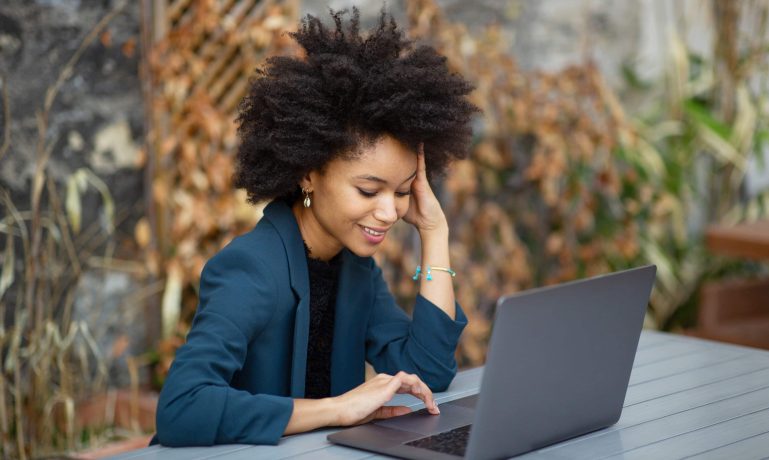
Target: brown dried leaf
[
  {"x": 129, "y": 47},
  {"x": 142, "y": 233},
  {"x": 106, "y": 39}
]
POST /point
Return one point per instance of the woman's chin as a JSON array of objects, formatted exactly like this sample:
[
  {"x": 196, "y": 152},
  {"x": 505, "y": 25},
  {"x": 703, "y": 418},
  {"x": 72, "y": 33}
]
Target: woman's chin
[{"x": 364, "y": 251}]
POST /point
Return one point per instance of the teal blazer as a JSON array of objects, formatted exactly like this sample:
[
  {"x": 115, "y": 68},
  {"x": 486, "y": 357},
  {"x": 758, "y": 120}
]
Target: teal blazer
[{"x": 244, "y": 361}]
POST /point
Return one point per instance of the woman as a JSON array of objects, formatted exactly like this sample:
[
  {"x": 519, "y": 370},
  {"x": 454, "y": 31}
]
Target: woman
[{"x": 342, "y": 141}]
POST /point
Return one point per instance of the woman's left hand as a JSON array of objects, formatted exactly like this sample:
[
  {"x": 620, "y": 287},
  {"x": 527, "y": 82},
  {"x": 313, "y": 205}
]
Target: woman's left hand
[{"x": 425, "y": 211}]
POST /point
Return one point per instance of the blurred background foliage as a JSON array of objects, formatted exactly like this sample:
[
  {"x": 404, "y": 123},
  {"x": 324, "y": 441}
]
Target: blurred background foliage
[
  {"x": 567, "y": 179},
  {"x": 565, "y": 182},
  {"x": 50, "y": 359},
  {"x": 198, "y": 71}
]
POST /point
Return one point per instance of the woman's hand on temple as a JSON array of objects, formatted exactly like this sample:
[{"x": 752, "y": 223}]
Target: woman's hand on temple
[
  {"x": 425, "y": 211},
  {"x": 366, "y": 402}
]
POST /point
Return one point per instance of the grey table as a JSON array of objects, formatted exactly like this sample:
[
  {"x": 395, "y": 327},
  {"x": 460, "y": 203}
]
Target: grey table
[{"x": 688, "y": 398}]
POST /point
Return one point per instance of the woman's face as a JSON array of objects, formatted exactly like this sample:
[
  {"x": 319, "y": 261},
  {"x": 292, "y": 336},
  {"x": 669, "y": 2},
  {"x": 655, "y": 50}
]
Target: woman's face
[{"x": 356, "y": 201}]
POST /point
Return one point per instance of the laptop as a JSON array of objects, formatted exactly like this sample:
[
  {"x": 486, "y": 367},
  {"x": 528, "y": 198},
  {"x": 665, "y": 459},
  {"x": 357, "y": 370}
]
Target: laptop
[{"x": 558, "y": 366}]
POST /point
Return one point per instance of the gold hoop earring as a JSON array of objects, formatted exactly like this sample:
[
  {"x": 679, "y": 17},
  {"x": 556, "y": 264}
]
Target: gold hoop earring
[{"x": 307, "y": 200}]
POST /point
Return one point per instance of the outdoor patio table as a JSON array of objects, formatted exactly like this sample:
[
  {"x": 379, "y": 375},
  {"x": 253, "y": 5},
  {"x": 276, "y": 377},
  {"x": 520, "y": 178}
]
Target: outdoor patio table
[{"x": 687, "y": 398}]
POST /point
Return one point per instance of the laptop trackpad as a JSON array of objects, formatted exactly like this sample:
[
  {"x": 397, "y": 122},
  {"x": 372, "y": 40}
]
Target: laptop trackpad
[{"x": 423, "y": 422}]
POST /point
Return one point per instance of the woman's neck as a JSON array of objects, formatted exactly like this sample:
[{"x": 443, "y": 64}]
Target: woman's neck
[{"x": 322, "y": 245}]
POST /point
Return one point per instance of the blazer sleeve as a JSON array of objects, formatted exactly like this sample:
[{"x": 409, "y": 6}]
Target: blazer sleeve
[
  {"x": 424, "y": 344},
  {"x": 197, "y": 406}
]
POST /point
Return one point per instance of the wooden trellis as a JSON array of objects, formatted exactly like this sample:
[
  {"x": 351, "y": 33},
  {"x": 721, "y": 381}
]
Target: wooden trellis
[
  {"x": 200, "y": 55},
  {"x": 229, "y": 37}
]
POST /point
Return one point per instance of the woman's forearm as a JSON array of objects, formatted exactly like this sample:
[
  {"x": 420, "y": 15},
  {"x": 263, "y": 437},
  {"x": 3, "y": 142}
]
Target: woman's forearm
[
  {"x": 310, "y": 414},
  {"x": 435, "y": 253}
]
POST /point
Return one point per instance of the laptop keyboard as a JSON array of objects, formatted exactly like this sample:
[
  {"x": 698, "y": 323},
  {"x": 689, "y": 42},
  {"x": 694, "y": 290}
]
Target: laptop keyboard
[{"x": 452, "y": 442}]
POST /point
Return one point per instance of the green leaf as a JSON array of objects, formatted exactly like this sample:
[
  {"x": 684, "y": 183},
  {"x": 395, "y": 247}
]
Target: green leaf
[{"x": 701, "y": 115}]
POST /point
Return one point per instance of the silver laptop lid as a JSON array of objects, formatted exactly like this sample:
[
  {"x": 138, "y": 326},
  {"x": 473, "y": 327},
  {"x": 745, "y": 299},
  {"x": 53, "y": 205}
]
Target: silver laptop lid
[{"x": 559, "y": 362}]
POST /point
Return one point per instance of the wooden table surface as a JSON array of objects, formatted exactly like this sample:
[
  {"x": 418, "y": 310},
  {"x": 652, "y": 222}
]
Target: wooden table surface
[
  {"x": 749, "y": 240},
  {"x": 688, "y": 398}
]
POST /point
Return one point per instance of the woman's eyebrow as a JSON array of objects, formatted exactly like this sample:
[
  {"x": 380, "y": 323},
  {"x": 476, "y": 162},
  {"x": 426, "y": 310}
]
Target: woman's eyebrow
[{"x": 382, "y": 181}]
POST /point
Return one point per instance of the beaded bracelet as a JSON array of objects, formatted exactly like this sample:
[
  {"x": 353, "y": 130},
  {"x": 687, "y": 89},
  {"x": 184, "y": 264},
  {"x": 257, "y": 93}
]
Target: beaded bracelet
[{"x": 430, "y": 274}]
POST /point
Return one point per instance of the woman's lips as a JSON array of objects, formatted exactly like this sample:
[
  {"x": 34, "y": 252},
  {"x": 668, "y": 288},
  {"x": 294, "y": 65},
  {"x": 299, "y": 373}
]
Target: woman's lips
[{"x": 373, "y": 235}]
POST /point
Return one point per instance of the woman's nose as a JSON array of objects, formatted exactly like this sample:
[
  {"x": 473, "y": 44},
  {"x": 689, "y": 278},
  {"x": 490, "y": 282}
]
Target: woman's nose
[{"x": 385, "y": 211}]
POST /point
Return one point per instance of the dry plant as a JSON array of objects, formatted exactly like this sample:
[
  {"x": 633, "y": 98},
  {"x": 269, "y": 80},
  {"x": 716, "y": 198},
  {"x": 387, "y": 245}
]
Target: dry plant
[
  {"x": 562, "y": 183},
  {"x": 543, "y": 198},
  {"x": 199, "y": 70},
  {"x": 50, "y": 360},
  {"x": 702, "y": 130}
]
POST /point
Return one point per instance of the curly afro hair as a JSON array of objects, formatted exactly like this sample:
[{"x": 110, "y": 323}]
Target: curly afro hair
[{"x": 346, "y": 93}]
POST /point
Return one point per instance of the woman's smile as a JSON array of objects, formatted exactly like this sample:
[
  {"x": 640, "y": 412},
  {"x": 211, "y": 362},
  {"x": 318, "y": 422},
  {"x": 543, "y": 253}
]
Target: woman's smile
[{"x": 373, "y": 235}]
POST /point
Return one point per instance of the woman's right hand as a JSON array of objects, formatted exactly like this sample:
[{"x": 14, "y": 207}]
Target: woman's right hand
[{"x": 366, "y": 402}]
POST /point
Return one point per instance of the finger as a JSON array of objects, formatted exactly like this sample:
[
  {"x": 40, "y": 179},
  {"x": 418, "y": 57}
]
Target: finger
[
  {"x": 409, "y": 382},
  {"x": 391, "y": 411},
  {"x": 397, "y": 385},
  {"x": 423, "y": 392},
  {"x": 429, "y": 400},
  {"x": 405, "y": 388},
  {"x": 421, "y": 168},
  {"x": 426, "y": 395},
  {"x": 412, "y": 384}
]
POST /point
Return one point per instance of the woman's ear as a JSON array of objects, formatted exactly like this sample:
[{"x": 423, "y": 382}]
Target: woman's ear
[{"x": 306, "y": 182}]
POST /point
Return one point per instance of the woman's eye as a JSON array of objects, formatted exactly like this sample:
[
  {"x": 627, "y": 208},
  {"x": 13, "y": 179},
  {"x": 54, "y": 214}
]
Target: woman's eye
[
  {"x": 366, "y": 193},
  {"x": 369, "y": 194}
]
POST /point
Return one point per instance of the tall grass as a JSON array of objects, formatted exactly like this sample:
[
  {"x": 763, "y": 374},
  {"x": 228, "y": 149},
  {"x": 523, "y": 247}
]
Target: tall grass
[{"x": 50, "y": 360}]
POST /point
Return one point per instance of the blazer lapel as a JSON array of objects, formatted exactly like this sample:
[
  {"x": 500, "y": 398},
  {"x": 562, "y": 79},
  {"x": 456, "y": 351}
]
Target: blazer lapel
[{"x": 280, "y": 215}]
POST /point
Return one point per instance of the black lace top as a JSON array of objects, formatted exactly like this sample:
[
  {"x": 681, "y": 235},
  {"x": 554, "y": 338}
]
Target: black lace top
[{"x": 323, "y": 286}]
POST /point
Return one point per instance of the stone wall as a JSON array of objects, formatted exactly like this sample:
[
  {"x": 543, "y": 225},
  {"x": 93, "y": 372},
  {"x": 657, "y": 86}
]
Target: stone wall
[
  {"x": 96, "y": 122},
  {"x": 97, "y": 119}
]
